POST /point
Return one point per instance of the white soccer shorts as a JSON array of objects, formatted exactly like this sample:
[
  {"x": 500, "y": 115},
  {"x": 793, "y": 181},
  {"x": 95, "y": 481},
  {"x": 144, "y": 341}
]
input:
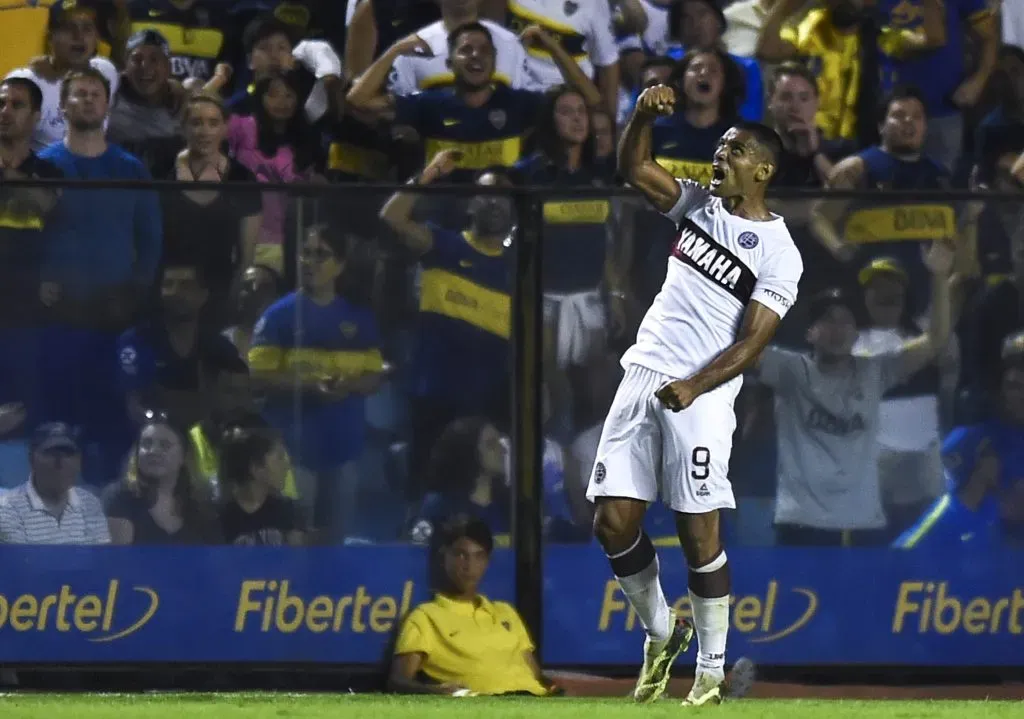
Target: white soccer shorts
[{"x": 647, "y": 451}]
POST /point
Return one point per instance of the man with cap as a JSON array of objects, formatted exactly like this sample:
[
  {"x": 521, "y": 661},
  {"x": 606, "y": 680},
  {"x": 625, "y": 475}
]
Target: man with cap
[
  {"x": 983, "y": 464},
  {"x": 73, "y": 37},
  {"x": 909, "y": 434},
  {"x": 144, "y": 114},
  {"x": 828, "y": 409},
  {"x": 49, "y": 508}
]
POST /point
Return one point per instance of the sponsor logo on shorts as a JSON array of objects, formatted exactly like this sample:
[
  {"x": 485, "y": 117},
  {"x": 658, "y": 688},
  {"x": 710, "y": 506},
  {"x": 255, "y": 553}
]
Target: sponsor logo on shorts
[{"x": 599, "y": 473}]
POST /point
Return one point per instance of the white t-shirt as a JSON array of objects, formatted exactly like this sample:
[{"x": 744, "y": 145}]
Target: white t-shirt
[
  {"x": 584, "y": 27},
  {"x": 719, "y": 263},
  {"x": 654, "y": 40},
  {"x": 411, "y": 74},
  {"x": 51, "y": 125}
]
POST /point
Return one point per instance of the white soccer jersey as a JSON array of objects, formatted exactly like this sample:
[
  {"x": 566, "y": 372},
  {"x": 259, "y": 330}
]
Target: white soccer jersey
[
  {"x": 412, "y": 74},
  {"x": 583, "y": 27},
  {"x": 718, "y": 264}
]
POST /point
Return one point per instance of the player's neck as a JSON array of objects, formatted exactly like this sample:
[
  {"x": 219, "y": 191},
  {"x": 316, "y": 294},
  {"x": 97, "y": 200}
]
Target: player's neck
[
  {"x": 701, "y": 116},
  {"x": 574, "y": 157},
  {"x": 748, "y": 208},
  {"x": 250, "y": 497},
  {"x": 321, "y": 296},
  {"x": 86, "y": 143},
  {"x": 904, "y": 156},
  {"x": 475, "y": 96},
  {"x": 14, "y": 152}
]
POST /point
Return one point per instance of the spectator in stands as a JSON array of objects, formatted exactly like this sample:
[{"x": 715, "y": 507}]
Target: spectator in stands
[
  {"x": 254, "y": 466},
  {"x": 72, "y": 39},
  {"x": 828, "y": 39},
  {"x": 485, "y": 121},
  {"x": 218, "y": 231},
  {"x": 461, "y": 360},
  {"x": 465, "y": 474},
  {"x": 375, "y": 25},
  {"x": 583, "y": 32},
  {"x": 461, "y": 642},
  {"x": 260, "y": 288},
  {"x": 982, "y": 473},
  {"x": 701, "y": 25},
  {"x": 910, "y": 418},
  {"x": 333, "y": 363},
  {"x": 947, "y": 88},
  {"x": 1002, "y": 130},
  {"x": 199, "y": 33},
  {"x": 24, "y": 214},
  {"x": 827, "y": 408},
  {"x": 602, "y": 129},
  {"x": 579, "y": 247},
  {"x": 145, "y": 111},
  {"x": 277, "y": 145},
  {"x": 430, "y": 70},
  {"x": 160, "y": 500},
  {"x": 313, "y": 65},
  {"x": 99, "y": 267},
  {"x": 49, "y": 508},
  {"x": 170, "y": 360},
  {"x": 889, "y": 227},
  {"x": 636, "y": 49}
]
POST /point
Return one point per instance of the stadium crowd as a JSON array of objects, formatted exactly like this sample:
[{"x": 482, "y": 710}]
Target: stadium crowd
[{"x": 221, "y": 363}]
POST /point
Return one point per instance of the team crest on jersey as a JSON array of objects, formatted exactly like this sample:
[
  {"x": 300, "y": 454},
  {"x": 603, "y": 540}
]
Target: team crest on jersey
[
  {"x": 498, "y": 118},
  {"x": 348, "y": 330},
  {"x": 570, "y": 8},
  {"x": 747, "y": 240}
]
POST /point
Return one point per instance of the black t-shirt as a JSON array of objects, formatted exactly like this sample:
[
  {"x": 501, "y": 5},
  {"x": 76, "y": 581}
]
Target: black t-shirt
[
  {"x": 122, "y": 502},
  {"x": 22, "y": 236},
  {"x": 267, "y": 526},
  {"x": 796, "y": 171},
  {"x": 210, "y": 234}
]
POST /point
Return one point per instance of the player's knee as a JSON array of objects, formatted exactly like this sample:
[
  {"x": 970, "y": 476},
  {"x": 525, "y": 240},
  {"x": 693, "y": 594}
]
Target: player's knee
[
  {"x": 617, "y": 523},
  {"x": 699, "y": 537}
]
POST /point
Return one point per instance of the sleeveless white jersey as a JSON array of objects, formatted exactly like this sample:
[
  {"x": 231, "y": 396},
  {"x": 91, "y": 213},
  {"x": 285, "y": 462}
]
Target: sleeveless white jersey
[{"x": 719, "y": 263}]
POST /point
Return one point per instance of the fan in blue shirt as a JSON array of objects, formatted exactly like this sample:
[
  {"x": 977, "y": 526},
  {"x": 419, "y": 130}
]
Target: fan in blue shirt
[{"x": 483, "y": 120}]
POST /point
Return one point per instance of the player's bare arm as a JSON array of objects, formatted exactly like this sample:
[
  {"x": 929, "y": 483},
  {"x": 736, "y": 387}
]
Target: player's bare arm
[
  {"x": 636, "y": 159},
  {"x": 397, "y": 212},
  {"x": 848, "y": 174},
  {"x": 920, "y": 351},
  {"x": 368, "y": 92},
  {"x": 758, "y": 328}
]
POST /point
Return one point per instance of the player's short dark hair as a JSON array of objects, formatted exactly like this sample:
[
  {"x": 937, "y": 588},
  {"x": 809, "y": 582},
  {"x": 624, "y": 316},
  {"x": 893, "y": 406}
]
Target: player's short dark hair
[
  {"x": 791, "y": 68},
  {"x": 901, "y": 92},
  {"x": 766, "y": 137},
  {"x": 240, "y": 448},
  {"x": 466, "y": 27},
  {"x": 262, "y": 27},
  {"x": 35, "y": 94},
  {"x": 88, "y": 73},
  {"x": 464, "y": 526}
]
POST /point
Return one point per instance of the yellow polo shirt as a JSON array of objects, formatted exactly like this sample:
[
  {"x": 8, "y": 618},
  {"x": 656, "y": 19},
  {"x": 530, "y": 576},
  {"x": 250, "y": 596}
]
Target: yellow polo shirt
[{"x": 479, "y": 645}]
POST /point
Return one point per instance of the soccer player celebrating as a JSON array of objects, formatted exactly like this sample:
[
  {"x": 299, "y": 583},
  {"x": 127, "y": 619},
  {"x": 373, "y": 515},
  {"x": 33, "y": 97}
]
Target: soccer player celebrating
[{"x": 732, "y": 275}]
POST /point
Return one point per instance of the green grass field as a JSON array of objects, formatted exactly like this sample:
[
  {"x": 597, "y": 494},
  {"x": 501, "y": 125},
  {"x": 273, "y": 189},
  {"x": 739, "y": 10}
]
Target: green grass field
[{"x": 335, "y": 706}]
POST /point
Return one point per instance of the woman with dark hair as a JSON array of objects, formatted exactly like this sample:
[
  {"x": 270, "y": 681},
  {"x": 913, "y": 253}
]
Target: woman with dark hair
[
  {"x": 465, "y": 474},
  {"x": 317, "y": 379},
  {"x": 159, "y": 500},
  {"x": 277, "y": 145},
  {"x": 578, "y": 260},
  {"x": 460, "y": 642},
  {"x": 252, "y": 469},
  {"x": 216, "y": 230}
]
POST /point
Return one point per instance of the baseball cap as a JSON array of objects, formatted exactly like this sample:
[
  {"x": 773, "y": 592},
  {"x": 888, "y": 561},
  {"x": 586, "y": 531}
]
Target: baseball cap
[
  {"x": 825, "y": 300},
  {"x": 63, "y": 10},
  {"x": 54, "y": 435},
  {"x": 882, "y": 266},
  {"x": 148, "y": 37}
]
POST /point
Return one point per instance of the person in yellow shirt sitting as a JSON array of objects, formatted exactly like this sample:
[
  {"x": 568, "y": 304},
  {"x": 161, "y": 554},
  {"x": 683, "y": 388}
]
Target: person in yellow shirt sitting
[{"x": 461, "y": 643}]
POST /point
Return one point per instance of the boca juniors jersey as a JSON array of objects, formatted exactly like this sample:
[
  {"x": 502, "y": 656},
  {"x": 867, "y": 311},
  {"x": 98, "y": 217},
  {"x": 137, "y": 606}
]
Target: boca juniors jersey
[{"x": 718, "y": 264}]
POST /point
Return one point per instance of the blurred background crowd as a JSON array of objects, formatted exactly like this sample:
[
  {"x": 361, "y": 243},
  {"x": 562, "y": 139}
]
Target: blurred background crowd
[{"x": 223, "y": 363}]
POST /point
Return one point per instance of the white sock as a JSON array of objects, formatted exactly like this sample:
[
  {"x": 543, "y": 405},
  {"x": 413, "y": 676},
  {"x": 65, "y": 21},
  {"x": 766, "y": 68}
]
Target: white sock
[
  {"x": 643, "y": 590},
  {"x": 711, "y": 620}
]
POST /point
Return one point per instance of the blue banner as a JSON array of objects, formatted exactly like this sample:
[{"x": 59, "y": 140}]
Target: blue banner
[{"x": 340, "y": 605}]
